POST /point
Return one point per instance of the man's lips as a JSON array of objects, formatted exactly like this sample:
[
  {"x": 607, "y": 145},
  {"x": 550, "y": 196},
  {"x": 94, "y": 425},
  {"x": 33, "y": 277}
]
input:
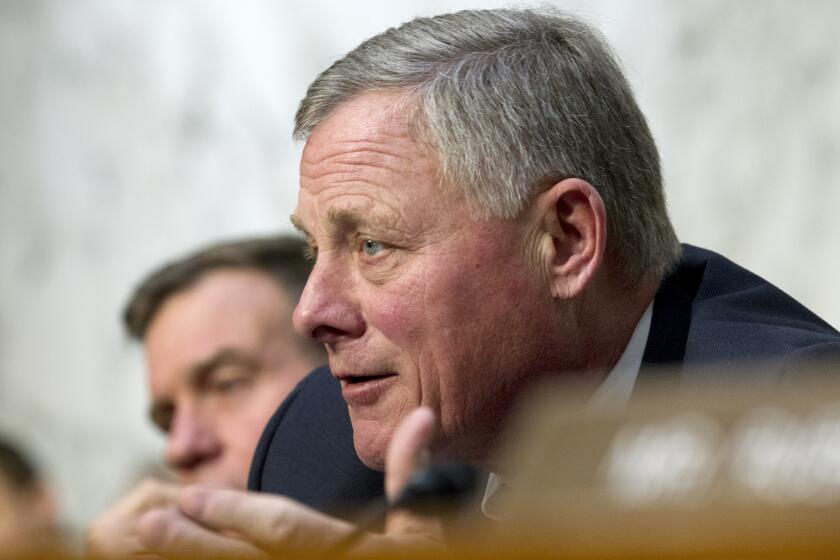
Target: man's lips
[
  {"x": 349, "y": 378},
  {"x": 361, "y": 389}
]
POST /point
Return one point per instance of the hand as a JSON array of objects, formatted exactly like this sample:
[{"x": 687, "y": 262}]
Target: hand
[
  {"x": 407, "y": 453},
  {"x": 114, "y": 534},
  {"x": 227, "y": 522},
  {"x": 220, "y": 522}
]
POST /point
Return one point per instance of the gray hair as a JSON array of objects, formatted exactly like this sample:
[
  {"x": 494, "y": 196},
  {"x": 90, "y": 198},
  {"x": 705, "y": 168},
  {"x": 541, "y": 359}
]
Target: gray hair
[{"x": 514, "y": 101}]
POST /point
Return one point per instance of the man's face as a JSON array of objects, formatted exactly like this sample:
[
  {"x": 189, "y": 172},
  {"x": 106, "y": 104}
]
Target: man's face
[
  {"x": 222, "y": 356},
  {"x": 417, "y": 302}
]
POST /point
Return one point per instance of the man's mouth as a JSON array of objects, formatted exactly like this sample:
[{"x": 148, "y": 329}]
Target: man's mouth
[
  {"x": 364, "y": 389},
  {"x": 351, "y": 379}
]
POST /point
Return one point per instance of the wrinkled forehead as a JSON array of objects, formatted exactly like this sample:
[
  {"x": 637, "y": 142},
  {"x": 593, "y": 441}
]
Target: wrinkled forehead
[
  {"x": 383, "y": 117},
  {"x": 367, "y": 142}
]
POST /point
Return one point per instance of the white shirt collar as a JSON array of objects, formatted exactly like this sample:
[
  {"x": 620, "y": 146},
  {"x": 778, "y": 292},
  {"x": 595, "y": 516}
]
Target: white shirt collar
[
  {"x": 616, "y": 389},
  {"x": 614, "y": 392}
]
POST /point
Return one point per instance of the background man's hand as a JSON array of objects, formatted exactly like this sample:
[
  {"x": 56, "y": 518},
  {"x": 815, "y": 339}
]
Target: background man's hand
[
  {"x": 214, "y": 521},
  {"x": 228, "y": 522},
  {"x": 114, "y": 534}
]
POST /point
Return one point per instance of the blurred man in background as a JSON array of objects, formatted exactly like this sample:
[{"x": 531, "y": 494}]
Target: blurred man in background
[
  {"x": 221, "y": 352},
  {"x": 221, "y": 355}
]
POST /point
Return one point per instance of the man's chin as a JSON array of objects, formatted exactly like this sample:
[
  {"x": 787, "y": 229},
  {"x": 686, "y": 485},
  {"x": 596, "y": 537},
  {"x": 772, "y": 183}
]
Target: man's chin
[{"x": 370, "y": 451}]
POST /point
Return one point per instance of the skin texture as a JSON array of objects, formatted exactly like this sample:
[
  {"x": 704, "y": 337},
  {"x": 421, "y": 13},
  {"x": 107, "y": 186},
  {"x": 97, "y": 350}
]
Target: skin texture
[{"x": 221, "y": 358}]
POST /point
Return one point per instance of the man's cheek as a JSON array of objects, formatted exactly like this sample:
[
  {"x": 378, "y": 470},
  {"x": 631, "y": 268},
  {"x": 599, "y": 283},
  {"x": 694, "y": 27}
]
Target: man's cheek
[{"x": 400, "y": 315}]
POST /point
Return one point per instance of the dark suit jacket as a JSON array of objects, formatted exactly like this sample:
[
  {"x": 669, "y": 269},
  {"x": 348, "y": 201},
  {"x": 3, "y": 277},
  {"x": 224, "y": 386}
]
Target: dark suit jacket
[
  {"x": 306, "y": 451},
  {"x": 712, "y": 312}
]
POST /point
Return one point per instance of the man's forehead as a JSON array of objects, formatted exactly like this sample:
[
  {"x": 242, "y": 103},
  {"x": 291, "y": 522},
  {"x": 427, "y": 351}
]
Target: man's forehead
[
  {"x": 369, "y": 113},
  {"x": 366, "y": 133},
  {"x": 361, "y": 164},
  {"x": 227, "y": 308},
  {"x": 239, "y": 294}
]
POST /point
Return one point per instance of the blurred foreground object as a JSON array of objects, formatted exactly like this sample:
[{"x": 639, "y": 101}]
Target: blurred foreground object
[
  {"x": 710, "y": 471},
  {"x": 28, "y": 524}
]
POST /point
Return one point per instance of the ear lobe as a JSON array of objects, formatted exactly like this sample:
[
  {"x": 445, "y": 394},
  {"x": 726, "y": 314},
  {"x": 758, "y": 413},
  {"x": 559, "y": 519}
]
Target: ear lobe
[{"x": 574, "y": 235}]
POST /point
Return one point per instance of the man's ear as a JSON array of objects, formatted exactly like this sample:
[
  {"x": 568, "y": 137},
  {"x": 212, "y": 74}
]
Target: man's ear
[{"x": 573, "y": 225}]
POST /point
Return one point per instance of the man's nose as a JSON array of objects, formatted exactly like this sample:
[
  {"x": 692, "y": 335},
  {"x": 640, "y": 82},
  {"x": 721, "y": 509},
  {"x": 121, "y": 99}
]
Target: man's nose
[
  {"x": 191, "y": 442},
  {"x": 327, "y": 311}
]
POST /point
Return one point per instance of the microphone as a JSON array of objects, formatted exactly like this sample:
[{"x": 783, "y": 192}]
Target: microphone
[{"x": 439, "y": 488}]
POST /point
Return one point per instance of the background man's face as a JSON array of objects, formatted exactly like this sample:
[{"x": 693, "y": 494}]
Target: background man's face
[
  {"x": 221, "y": 357},
  {"x": 417, "y": 302}
]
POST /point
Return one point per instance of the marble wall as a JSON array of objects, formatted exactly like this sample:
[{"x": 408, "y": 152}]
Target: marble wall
[{"x": 132, "y": 130}]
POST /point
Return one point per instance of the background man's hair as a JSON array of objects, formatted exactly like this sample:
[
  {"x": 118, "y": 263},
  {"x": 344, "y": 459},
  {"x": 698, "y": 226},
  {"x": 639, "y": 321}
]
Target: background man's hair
[
  {"x": 281, "y": 257},
  {"x": 16, "y": 467},
  {"x": 514, "y": 101}
]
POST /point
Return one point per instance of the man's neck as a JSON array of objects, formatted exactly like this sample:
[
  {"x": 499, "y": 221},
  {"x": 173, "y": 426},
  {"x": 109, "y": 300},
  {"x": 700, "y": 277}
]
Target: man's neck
[
  {"x": 605, "y": 320},
  {"x": 613, "y": 392},
  {"x": 608, "y": 316},
  {"x": 600, "y": 325}
]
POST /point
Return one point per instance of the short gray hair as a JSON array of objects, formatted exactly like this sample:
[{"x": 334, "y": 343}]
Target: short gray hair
[{"x": 514, "y": 101}]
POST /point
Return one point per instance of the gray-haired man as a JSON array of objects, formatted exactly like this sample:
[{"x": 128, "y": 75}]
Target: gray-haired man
[{"x": 484, "y": 201}]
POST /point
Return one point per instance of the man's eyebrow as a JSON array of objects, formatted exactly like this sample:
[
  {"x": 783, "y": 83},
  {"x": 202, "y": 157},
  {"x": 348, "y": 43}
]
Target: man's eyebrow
[
  {"x": 225, "y": 356},
  {"x": 347, "y": 218},
  {"x": 298, "y": 225},
  {"x": 350, "y": 218}
]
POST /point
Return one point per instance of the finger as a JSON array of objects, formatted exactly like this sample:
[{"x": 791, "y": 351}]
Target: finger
[
  {"x": 124, "y": 544},
  {"x": 149, "y": 494},
  {"x": 120, "y": 545},
  {"x": 168, "y": 533},
  {"x": 113, "y": 534},
  {"x": 408, "y": 450},
  {"x": 273, "y": 523}
]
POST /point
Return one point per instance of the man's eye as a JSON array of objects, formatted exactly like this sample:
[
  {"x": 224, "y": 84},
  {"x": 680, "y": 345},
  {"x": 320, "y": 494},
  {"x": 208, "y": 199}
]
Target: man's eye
[
  {"x": 372, "y": 248},
  {"x": 226, "y": 385},
  {"x": 228, "y": 379}
]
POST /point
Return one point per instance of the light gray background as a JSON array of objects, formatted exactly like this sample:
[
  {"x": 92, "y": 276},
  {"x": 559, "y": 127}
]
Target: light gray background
[{"x": 133, "y": 130}]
